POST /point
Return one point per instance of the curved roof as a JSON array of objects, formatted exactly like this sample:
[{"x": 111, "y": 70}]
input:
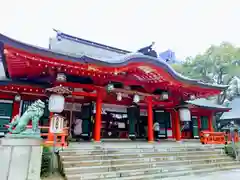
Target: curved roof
[
  {"x": 201, "y": 102},
  {"x": 117, "y": 62},
  {"x": 234, "y": 112},
  {"x": 61, "y": 35}
]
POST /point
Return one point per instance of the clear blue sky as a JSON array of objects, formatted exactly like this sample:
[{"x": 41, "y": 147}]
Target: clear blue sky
[{"x": 185, "y": 26}]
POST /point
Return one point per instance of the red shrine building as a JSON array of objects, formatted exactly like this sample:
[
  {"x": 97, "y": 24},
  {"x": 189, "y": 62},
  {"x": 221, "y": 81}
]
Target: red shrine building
[{"x": 114, "y": 93}]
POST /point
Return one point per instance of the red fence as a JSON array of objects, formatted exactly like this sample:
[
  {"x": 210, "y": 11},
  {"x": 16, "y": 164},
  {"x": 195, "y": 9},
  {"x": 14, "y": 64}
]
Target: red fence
[{"x": 217, "y": 137}]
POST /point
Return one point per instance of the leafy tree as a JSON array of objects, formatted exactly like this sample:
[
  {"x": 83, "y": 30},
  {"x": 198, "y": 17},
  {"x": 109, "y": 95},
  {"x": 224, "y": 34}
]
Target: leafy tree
[{"x": 217, "y": 65}]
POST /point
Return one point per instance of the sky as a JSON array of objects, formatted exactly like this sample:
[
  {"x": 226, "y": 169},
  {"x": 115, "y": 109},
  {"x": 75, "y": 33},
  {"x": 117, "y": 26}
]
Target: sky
[{"x": 187, "y": 27}]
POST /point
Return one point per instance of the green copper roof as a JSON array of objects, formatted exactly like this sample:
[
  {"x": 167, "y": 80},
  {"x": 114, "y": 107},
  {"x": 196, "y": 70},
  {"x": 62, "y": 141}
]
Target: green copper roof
[
  {"x": 201, "y": 102},
  {"x": 235, "y": 110}
]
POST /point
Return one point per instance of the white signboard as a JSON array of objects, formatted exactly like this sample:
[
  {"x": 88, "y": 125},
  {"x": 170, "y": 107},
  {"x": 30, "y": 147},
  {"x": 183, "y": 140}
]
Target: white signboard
[{"x": 57, "y": 124}]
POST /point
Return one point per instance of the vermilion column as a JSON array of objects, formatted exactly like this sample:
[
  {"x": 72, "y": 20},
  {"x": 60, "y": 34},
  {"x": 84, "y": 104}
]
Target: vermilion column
[
  {"x": 150, "y": 120},
  {"x": 98, "y": 119},
  {"x": 210, "y": 122},
  {"x": 177, "y": 126},
  {"x": 16, "y": 108},
  {"x": 50, "y": 135}
]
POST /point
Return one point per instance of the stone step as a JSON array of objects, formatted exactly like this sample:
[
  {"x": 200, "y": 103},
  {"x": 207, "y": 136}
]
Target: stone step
[
  {"x": 116, "y": 151},
  {"x": 141, "y": 161},
  {"x": 140, "y": 155},
  {"x": 176, "y": 174},
  {"x": 111, "y": 162},
  {"x": 158, "y": 172},
  {"x": 139, "y": 165},
  {"x": 127, "y": 148}
]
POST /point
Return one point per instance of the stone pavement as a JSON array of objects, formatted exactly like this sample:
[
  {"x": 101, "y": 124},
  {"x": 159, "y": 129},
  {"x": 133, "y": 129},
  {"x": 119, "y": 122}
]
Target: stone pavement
[
  {"x": 230, "y": 175},
  {"x": 53, "y": 177}
]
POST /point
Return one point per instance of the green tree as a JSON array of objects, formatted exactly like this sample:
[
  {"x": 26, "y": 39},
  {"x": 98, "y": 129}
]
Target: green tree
[{"x": 217, "y": 65}]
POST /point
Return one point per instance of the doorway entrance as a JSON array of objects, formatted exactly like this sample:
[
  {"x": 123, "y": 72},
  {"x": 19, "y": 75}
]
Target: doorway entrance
[
  {"x": 164, "y": 120},
  {"x": 195, "y": 128},
  {"x": 190, "y": 129},
  {"x": 5, "y": 116},
  {"x": 114, "y": 125}
]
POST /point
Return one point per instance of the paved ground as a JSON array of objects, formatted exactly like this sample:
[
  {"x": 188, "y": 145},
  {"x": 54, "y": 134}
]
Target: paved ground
[
  {"x": 53, "y": 177},
  {"x": 230, "y": 175}
]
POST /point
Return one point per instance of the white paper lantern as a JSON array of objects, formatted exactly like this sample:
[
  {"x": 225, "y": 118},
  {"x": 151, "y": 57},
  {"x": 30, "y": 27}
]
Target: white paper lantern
[
  {"x": 17, "y": 98},
  {"x": 164, "y": 96},
  {"x": 61, "y": 77},
  {"x": 119, "y": 96},
  {"x": 56, "y": 103},
  {"x": 184, "y": 114},
  {"x": 192, "y": 97},
  {"x": 136, "y": 98},
  {"x": 57, "y": 124}
]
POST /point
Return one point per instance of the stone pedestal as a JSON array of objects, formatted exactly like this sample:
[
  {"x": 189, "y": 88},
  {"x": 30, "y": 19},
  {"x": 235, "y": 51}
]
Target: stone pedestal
[{"x": 20, "y": 158}]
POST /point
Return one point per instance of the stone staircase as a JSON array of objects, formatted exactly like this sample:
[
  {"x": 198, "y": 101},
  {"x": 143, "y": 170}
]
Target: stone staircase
[{"x": 143, "y": 162}]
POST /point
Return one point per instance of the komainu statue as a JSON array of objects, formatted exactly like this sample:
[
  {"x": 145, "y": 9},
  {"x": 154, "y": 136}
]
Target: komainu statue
[{"x": 34, "y": 112}]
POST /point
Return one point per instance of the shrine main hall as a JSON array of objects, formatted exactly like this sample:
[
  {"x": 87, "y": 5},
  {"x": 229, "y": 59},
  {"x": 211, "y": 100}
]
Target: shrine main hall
[{"x": 113, "y": 93}]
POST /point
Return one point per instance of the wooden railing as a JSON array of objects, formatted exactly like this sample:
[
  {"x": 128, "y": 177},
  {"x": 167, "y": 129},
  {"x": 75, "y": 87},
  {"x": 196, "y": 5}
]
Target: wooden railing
[
  {"x": 60, "y": 137},
  {"x": 217, "y": 137}
]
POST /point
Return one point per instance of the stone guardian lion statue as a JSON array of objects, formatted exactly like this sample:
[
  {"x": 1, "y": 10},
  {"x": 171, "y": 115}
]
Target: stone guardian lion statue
[{"x": 33, "y": 113}]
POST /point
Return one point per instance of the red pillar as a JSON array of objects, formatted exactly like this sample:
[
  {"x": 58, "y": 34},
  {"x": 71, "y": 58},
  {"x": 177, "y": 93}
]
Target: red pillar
[
  {"x": 98, "y": 119},
  {"x": 50, "y": 135},
  {"x": 16, "y": 108},
  {"x": 150, "y": 120},
  {"x": 210, "y": 122},
  {"x": 177, "y": 126}
]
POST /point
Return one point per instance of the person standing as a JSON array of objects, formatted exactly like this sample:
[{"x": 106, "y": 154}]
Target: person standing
[
  {"x": 77, "y": 129},
  {"x": 156, "y": 129}
]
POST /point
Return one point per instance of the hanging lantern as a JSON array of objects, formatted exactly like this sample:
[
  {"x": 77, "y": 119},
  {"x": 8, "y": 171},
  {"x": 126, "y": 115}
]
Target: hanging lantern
[
  {"x": 57, "y": 124},
  {"x": 110, "y": 87},
  {"x": 192, "y": 97},
  {"x": 119, "y": 96},
  {"x": 184, "y": 114},
  {"x": 164, "y": 96},
  {"x": 17, "y": 98},
  {"x": 56, "y": 103},
  {"x": 136, "y": 98},
  {"x": 61, "y": 77}
]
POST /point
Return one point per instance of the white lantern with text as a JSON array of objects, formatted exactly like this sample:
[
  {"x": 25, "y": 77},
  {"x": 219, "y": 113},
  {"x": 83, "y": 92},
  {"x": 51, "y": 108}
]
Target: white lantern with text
[
  {"x": 56, "y": 103},
  {"x": 57, "y": 124},
  {"x": 184, "y": 114}
]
